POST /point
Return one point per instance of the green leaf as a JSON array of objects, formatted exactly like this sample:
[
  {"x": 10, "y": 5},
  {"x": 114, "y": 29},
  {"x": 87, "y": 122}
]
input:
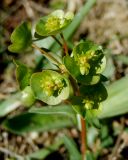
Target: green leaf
[
  {"x": 50, "y": 87},
  {"x": 89, "y": 156},
  {"x": 23, "y": 74},
  {"x": 89, "y": 79},
  {"x": 69, "y": 31},
  {"x": 93, "y": 95},
  {"x": 78, "y": 105},
  {"x": 89, "y": 58},
  {"x": 50, "y": 110},
  {"x": 53, "y": 23},
  {"x": 43, "y": 153},
  {"x": 92, "y": 119},
  {"x": 97, "y": 92},
  {"x": 71, "y": 66},
  {"x": 73, "y": 69},
  {"x": 85, "y": 46},
  {"x": 21, "y": 38},
  {"x": 107, "y": 142},
  {"x": 74, "y": 154},
  {"x": 87, "y": 63},
  {"x": 27, "y": 96},
  {"x": 103, "y": 78},
  {"x": 117, "y": 101},
  {"x": 10, "y": 104},
  {"x": 29, "y": 122}
]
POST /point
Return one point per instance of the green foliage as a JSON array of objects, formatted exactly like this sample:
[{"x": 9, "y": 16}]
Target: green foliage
[
  {"x": 91, "y": 117},
  {"x": 21, "y": 38},
  {"x": 87, "y": 63},
  {"x": 84, "y": 66},
  {"x": 89, "y": 58},
  {"x": 117, "y": 100},
  {"x": 77, "y": 80},
  {"x": 43, "y": 153},
  {"x": 78, "y": 106},
  {"x": 93, "y": 95},
  {"x": 27, "y": 96},
  {"x": 29, "y": 122},
  {"x": 53, "y": 23},
  {"x": 23, "y": 74},
  {"x": 63, "y": 109},
  {"x": 72, "y": 148},
  {"x": 10, "y": 104},
  {"x": 73, "y": 68},
  {"x": 50, "y": 87}
]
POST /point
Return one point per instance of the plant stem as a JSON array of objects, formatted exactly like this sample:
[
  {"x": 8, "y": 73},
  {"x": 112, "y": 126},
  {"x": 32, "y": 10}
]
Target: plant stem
[
  {"x": 50, "y": 57},
  {"x": 38, "y": 39},
  {"x": 65, "y": 47},
  {"x": 83, "y": 138},
  {"x": 83, "y": 122},
  {"x": 57, "y": 40}
]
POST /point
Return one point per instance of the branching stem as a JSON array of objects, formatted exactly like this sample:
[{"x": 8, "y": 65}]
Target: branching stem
[
  {"x": 65, "y": 47},
  {"x": 50, "y": 57}
]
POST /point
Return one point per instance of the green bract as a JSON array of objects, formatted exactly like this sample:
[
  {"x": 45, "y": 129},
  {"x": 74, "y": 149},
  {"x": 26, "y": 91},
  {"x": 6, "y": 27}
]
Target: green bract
[
  {"x": 74, "y": 70},
  {"x": 89, "y": 58},
  {"x": 50, "y": 87},
  {"x": 23, "y": 74},
  {"x": 89, "y": 100},
  {"x": 78, "y": 106},
  {"x": 53, "y": 23},
  {"x": 86, "y": 63},
  {"x": 27, "y": 96},
  {"x": 21, "y": 38},
  {"x": 93, "y": 95}
]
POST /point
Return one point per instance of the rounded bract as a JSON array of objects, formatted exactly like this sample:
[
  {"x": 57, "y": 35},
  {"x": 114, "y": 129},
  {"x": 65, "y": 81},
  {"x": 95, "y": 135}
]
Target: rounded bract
[
  {"x": 89, "y": 57},
  {"x": 27, "y": 96},
  {"x": 50, "y": 87},
  {"x": 53, "y": 23}
]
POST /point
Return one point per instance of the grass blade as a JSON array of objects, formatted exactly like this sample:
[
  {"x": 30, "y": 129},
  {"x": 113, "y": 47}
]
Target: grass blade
[
  {"x": 72, "y": 149},
  {"x": 28, "y": 122},
  {"x": 50, "y": 110},
  {"x": 117, "y": 102}
]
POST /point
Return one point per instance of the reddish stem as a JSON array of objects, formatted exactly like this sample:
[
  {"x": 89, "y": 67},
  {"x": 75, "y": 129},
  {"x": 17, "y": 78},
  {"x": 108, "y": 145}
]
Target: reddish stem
[
  {"x": 83, "y": 122},
  {"x": 65, "y": 47},
  {"x": 83, "y": 138}
]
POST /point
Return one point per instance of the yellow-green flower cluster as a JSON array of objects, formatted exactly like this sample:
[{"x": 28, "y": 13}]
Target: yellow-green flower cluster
[
  {"x": 89, "y": 104},
  {"x": 83, "y": 62},
  {"x": 58, "y": 20},
  {"x": 52, "y": 23},
  {"x": 52, "y": 86}
]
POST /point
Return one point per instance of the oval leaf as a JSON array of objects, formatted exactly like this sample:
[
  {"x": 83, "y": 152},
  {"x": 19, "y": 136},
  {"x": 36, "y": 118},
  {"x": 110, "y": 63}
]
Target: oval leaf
[
  {"x": 97, "y": 92},
  {"x": 27, "y": 96},
  {"x": 23, "y": 74},
  {"x": 29, "y": 122},
  {"x": 21, "y": 38},
  {"x": 73, "y": 68},
  {"x": 53, "y": 23},
  {"x": 89, "y": 58},
  {"x": 50, "y": 87}
]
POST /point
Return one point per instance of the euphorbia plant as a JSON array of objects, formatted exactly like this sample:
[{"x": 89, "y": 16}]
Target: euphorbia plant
[{"x": 77, "y": 78}]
